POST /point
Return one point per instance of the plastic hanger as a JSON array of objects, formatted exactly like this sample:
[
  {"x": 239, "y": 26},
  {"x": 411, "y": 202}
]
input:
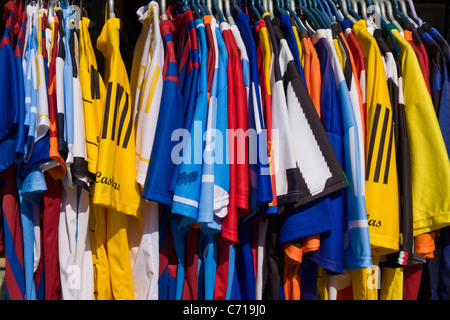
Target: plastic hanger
[
  {"x": 235, "y": 6},
  {"x": 269, "y": 5},
  {"x": 347, "y": 15},
  {"x": 111, "y": 13},
  {"x": 413, "y": 12},
  {"x": 394, "y": 4},
  {"x": 362, "y": 6},
  {"x": 319, "y": 14},
  {"x": 373, "y": 11},
  {"x": 403, "y": 9},
  {"x": 293, "y": 15},
  {"x": 218, "y": 10},
  {"x": 251, "y": 5},
  {"x": 391, "y": 14},
  {"x": 324, "y": 7},
  {"x": 209, "y": 6},
  {"x": 260, "y": 7},
  {"x": 279, "y": 8},
  {"x": 316, "y": 14},
  {"x": 325, "y": 11},
  {"x": 352, "y": 12},
  {"x": 204, "y": 8},
  {"x": 300, "y": 5},
  {"x": 194, "y": 7},
  {"x": 334, "y": 9},
  {"x": 382, "y": 8},
  {"x": 228, "y": 14}
]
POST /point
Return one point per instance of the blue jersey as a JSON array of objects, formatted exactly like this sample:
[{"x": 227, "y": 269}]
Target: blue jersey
[
  {"x": 68, "y": 89},
  {"x": 170, "y": 118},
  {"x": 330, "y": 254},
  {"x": 188, "y": 74},
  {"x": 10, "y": 128},
  {"x": 357, "y": 250},
  {"x": 187, "y": 189},
  {"x": 221, "y": 163},
  {"x": 206, "y": 206}
]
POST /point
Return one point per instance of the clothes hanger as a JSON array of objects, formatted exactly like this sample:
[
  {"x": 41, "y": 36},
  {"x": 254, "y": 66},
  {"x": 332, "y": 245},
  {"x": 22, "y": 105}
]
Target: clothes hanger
[
  {"x": 204, "y": 7},
  {"x": 209, "y": 6},
  {"x": 372, "y": 10},
  {"x": 218, "y": 6},
  {"x": 269, "y": 5},
  {"x": 228, "y": 14},
  {"x": 260, "y": 7},
  {"x": 316, "y": 14},
  {"x": 235, "y": 6},
  {"x": 346, "y": 14},
  {"x": 396, "y": 10},
  {"x": 280, "y": 10},
  {"x": 391, "y": 14},
  {"x": 294, "y": 15},
  {"x": 251, "y": 5},
  {"x": 325, "y": 11},
  {"x": 324, "y": 7},
  {"x": 111, "y": 8},
  {"x": 194, "y": 7},
  {"x": 413, "y": 12},
  {"x": 362, "y": 5},
  {"x": 351, "y": 11},
  {"x": 334, "y": 9},
  {"x": 301, "y": 4},
  {"x": 405, "y": 12},
  {"x": 382, "y": 10}
]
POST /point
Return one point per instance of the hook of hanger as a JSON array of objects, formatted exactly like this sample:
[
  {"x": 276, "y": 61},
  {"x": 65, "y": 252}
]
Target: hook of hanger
[
  {"x": 405, "y": 12},
  {"x": 345, "y": 11},
  {"x": 260, "y": 7},
  {"x": 209, "y": 6},
  {"x": 194, "y": 7},
  {"x": 373, "y": 10},
  {"x": 391, "y": 14},
  {"x": 334, "y": 9},
  {"x": 218, "y": 11},
  {"x": 228, "y": 12},
  {"x": 235, "y": 6},
  {"x": 399, "y": 13},
  {"x": 324, "y": 7},
  {"x": 293, "y": 15},
  {"x": 255, "y": 11},
  {"x": 269, "y": 5},
  {"x": 308, "y": 13},
  {"x": 111, "y": 13}
]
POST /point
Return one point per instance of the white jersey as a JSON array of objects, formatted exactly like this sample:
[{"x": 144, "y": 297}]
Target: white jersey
[{"x": 146, "y": 85}]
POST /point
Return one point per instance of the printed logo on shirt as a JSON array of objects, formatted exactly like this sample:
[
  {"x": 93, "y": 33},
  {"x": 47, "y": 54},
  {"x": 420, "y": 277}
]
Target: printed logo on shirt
[
  {"x": 185, "y": 178},
  {"x": 373, "y": 223},
  {"x": 117, "y": 107},
  {"x": 107, "y": 181},
  {"x": 380, "y": 146}
]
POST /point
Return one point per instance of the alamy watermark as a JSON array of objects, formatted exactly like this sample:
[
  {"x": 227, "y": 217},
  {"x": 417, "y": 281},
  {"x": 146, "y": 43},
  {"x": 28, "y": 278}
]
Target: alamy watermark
[{"x": 233, "y": 146}]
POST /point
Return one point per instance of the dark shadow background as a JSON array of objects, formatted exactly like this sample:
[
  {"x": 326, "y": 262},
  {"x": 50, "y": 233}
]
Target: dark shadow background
[{"x": 435, "y": 12}]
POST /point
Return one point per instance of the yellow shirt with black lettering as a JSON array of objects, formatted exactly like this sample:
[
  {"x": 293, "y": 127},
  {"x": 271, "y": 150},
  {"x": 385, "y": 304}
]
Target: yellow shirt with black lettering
[{"x": 115, "y": 180}]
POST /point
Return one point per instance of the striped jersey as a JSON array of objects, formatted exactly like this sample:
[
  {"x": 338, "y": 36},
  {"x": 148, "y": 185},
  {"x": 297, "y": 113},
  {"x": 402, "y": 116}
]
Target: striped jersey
[
  {"x": 147, "y": 80},
  {"x": 115, "y": 187},
  {"x": 381, "y": 170}
]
